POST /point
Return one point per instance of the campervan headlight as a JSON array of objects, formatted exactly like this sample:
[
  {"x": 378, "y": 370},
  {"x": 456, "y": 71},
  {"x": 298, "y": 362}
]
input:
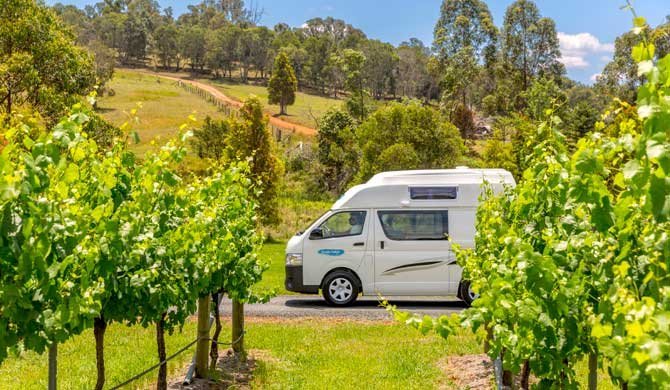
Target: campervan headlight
[{"x": 294, "y": 259}]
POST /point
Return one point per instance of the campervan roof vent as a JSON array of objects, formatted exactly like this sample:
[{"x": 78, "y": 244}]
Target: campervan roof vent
[{"x": 462, "y": 167}]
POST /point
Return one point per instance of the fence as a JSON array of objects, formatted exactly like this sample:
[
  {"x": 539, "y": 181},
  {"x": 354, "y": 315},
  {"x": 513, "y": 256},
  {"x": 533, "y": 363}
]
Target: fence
[{"x": 281, "y": 134}]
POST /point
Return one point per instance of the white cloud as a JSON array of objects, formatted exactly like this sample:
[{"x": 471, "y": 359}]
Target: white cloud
[
  {"x": 576, "y": 47},
  {"x": 595, "y": 77},
  {"x": 583, "y": 42},
  {"x": 574, "y": 61}
]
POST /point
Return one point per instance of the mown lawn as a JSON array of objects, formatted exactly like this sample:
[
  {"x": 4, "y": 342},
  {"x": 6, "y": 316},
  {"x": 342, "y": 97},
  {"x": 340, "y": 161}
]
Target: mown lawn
[
  {"x": 306, "y": 353},
  {"x": 306, "y": 107},
  {"x": 293, "y": 354},
  {"x": 165, "y": 106},
  {"x": 273, "y": 278}
]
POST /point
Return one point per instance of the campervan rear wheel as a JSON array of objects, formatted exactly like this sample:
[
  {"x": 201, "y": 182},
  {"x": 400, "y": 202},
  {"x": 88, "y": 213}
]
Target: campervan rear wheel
[
  {"x": 466, "y": 294},
  {"x": 340, "y": 288}
]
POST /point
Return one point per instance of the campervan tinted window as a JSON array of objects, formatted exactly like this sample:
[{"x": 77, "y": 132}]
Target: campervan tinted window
[
  {"x": 427, "y": 193},
  {"x": 404, "y": 225}
]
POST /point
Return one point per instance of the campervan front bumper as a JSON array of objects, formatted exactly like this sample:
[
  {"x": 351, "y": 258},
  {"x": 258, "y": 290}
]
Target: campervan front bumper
[{"x": 293, "y": 281}]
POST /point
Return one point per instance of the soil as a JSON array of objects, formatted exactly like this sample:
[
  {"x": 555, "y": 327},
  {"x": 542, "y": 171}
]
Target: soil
[
  {"x": 473, "y": 372},
  {"x": 230, "y": 373}
]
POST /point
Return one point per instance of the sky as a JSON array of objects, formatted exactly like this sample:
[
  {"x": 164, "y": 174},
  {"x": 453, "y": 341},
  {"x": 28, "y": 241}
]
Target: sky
[{"x": 587, "y": 28}]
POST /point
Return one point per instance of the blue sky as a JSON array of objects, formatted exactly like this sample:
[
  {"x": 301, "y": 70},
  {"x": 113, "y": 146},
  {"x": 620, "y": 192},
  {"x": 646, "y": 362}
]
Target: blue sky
[{"x": 587, "y": 28}]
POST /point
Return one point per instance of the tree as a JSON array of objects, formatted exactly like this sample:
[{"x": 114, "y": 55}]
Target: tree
[
  {"x": 337, "y": 150},
  {"x": 250, "y": 139},
  {"x": 544, "y": 94},
  {"x": 412, "y": 72},
  {"x": 620, "y": 76},
  {"x": 283, "y": 84},
  {"x": 379, "y": 68},
  {"x": 167, "y": 44},
  {"x": 192, "y": 45},
  {"x": 464, "y": 37},
  {"x": 352, "y": 63},
  {"x": 435, "y": 141},
  {"x": 464, "y": 119},
  {"x": 530, "y": 44},
  {"x": 209, "y": 141},
  {"x": 40, "y": 66},
  {"x": 498, "y": 153},
  {"x": 462, "y": 24}
]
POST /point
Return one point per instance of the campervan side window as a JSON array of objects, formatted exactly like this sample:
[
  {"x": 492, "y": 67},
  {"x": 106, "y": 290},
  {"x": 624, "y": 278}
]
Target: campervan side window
[
  {"x": 343, "y": 224},
  {"x": 429, "y": 193},
  {"x": 407, "y": 225}
]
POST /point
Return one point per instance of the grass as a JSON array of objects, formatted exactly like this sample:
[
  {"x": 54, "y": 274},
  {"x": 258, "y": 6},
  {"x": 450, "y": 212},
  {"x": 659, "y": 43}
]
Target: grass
[
  {"x": 303, "y": 111},
  {"x": 128, "y": 351},
  {"x": 291, "y": 354},
  {"x": 273, "y": 278},
  {"x": 165, "y": 106},
  {"x": 325, "y": 354}
]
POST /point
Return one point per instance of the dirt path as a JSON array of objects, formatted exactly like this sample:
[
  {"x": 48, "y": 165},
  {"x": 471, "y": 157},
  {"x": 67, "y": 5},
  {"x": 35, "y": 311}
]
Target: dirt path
[{"x": 277, "y": 122}]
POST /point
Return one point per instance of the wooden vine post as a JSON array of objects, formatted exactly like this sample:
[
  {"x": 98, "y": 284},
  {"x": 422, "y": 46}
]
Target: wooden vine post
[
  {"x": 593, "y": 370},
  {"x": 202, "y": 346},
  {"x": 238, "y": 329},
  {"x": 53, "y": 366}
]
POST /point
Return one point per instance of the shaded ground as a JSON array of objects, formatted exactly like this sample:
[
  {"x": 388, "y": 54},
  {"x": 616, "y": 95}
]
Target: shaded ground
[{"x": 230, "y": 373}]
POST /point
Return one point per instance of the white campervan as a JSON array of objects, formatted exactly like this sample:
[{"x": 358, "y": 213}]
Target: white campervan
[{"x": 392, "y": 236}]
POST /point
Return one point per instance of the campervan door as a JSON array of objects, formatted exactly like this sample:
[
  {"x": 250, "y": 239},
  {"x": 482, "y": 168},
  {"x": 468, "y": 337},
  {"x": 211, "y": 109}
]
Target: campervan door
[{"x": 412, "y": 253}]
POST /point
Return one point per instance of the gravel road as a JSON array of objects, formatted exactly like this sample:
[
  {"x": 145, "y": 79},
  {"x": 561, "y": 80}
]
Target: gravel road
[{"x": 366, "y": 308}]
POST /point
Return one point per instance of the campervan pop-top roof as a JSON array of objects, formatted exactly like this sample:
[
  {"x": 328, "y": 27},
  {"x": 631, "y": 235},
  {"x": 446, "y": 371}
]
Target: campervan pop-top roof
[{"x": 458, "y": 187}]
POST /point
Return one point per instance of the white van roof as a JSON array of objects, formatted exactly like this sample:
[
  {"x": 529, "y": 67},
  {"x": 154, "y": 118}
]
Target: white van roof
[{"x": 413, "y": 188}]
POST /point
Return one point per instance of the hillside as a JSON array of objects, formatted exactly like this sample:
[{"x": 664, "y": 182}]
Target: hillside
[{"x": 164, "y": 106}]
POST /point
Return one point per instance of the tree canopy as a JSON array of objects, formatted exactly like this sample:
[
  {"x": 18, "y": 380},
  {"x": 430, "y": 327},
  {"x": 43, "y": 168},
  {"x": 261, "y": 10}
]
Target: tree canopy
[
  {"x": 283, "y": 84},
  {"x": 40, "y": 65}
]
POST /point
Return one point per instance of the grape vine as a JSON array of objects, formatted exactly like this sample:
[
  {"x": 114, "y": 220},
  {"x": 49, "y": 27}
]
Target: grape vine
[{"x": 573, "y": 262}]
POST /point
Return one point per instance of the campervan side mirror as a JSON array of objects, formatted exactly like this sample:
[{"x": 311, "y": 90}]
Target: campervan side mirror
[{"x": 316, "y": 234}]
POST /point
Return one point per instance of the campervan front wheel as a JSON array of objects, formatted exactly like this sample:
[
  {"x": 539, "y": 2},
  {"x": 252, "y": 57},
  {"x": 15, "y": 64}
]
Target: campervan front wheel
[
  {"x": 340, "y": 288},
  {"x": 466, "y": 294}
]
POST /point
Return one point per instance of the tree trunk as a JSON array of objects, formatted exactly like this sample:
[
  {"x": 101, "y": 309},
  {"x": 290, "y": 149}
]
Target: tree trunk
[
  {"x": 99, "y": 328},
  {"x": 160, "y": 341},
  {"x": 53, "y": 366},
  {"x": 238, "y": 329},
  {"x": 214, "y": 350},
  {"x": 525, "y": 375},
  {"x": 593, "y": 370},
  {"x": 203, "y": 337}
]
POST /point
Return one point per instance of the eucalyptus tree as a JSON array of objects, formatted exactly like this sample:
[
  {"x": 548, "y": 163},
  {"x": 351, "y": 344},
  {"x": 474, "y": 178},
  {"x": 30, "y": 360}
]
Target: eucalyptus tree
[
  {"x": 530, "y": 44},
  {"x": 464, "y": 38}
]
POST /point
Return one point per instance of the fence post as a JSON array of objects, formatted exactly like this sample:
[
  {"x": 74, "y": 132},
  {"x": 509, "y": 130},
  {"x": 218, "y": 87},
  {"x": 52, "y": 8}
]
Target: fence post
[
  {"x": 53, "y": 365},
  {"x": 238, "y": 329},
  {"x": 202, "y": 347}
]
